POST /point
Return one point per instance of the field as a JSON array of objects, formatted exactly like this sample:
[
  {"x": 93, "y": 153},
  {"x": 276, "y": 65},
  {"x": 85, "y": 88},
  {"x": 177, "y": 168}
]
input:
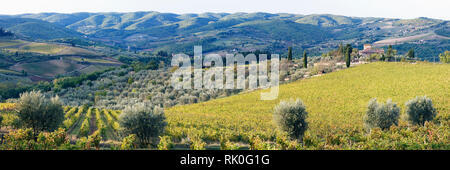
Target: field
[
  {"x": 94, "y": 60},
  {"x": 82, "y": 121},
  {"x": 48, "y": 68},
  {"x": 79, "y": 121},
  {"x": 8, "y": 42},
  {"x": 43, "y": 48},
  {"x": 395, "y": 41},
  {"x": 336, "y": 104}
]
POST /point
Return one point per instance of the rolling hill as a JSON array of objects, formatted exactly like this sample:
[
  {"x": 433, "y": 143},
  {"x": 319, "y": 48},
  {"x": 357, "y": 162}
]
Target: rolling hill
[
  {"x": 34, "y": 29},
  {"x": 336, "y": 104},
  {"x": 153, "y": 31}
]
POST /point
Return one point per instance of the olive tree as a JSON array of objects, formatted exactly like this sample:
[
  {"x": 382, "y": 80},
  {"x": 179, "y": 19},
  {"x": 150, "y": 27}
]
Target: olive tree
[
  {"x": 145, "y": 121},
  {"x": 420, "y": 110},
  {"x": 290, "y": 117},
  {"x": 382, "y": 115},
  {"x": 39, "y": 113}
]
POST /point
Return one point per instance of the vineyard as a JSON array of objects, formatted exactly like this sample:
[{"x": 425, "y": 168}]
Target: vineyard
[
  {"x": 336, "y": 104},
  {"x": 81, "y": 121}
]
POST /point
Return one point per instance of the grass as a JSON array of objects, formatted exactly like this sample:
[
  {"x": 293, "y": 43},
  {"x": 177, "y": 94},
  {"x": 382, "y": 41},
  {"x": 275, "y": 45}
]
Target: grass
[
  {"x": 8, "y": 42},
  {"x": 41, "y": 48},
  {"x": 48, "y": 68},
  {"x": 336, "y": 103},
  {"x": 92, "y": 60},
  {"x": 11, "y": 72}
]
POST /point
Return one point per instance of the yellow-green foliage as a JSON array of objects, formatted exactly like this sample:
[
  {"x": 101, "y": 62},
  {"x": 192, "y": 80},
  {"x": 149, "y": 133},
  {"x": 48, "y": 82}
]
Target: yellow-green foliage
[
  {"x": 95, "y": 139},
  {"x": 42, "y": 48},
  {"x": 80, "y": 111},
  {"x": 66, "y": 108},
  {"x": 9, "y": 118},
  {"x": 165, "y": 143},
  {"x": 111, "y": 121},
  {"x": 445, "y": 57},
  {"x": 7, "y": 106},
  {"x": 85, "y": 126},
  {"x": 7, "y": 42},
  {"x": 70, "y": 112},
  {"x": 101, "y": 126},
  {"x": 68, "y": 122},
  {"x": 115, "y": 114},
  {"x": 23, "y": 139},
  {"x": 129, "y": 142},
  {"x": 336, "y": 103}
]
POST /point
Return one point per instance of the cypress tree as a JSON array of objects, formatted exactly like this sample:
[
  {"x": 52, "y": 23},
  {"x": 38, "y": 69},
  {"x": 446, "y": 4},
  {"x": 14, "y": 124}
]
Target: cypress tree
[
  {"x": 411, "y": 53},
  {"x": 305, "y": 59},
  {"x": 290, "y": 53},
  {"x": 348, "y": 51}
]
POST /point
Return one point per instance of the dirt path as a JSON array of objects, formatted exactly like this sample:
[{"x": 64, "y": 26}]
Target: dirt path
[{"x": 92, "y": 123}]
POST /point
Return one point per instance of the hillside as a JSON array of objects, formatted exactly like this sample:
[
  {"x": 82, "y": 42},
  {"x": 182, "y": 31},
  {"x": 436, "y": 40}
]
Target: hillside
[
  {"x": 22, "y": 59},
  {"x": 336, "y": 103},
  {"x": 153, "y": 31},
  {"x": 34, "y": 29}
]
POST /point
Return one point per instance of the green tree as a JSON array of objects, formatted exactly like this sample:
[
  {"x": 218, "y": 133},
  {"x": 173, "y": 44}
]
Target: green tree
[
  {"x": 348, "y": 52},
  {"x": 305, "y": 59},
  {"x": 381, "y": 115},
  {"x": 39, "y": 113},
  {"x": 390, "y": 53},
  {"x": 290, "y": 117},
  {"x": 420, "y": 110},
  {"x": 341, "y": 50},
  {"x": 163, "y": 53},
  {"x": 410, "y": 54},
  {"x": 290, "y": 53},
  {"x": 130, "y": 80},
  {"x": 145, "y": 121},
  {"x": 445, "y": 57}
]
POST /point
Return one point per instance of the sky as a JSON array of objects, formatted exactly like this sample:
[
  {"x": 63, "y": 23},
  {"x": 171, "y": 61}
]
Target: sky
[{"x": 405, "y": 9}]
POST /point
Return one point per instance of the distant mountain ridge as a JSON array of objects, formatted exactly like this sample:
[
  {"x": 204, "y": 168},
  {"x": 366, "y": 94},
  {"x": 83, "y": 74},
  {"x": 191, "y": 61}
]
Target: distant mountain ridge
[{"x": 220, "y": 31}]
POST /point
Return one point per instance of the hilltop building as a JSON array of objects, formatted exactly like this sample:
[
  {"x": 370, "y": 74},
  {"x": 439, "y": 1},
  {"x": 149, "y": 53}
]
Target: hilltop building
[{"x": 369, "y": 50}]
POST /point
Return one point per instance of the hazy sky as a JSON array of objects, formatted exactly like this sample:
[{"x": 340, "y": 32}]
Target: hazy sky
[{"x": 362, "y": 8}]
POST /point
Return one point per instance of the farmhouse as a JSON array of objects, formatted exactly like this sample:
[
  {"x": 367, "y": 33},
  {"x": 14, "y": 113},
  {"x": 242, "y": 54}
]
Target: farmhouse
[{"x": 369, "y": 50}]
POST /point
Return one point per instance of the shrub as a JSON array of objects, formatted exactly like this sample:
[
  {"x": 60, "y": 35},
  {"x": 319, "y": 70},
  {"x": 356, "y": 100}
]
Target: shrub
[
  {"x": 256, "y": 143},
  {"x": 165, "y": 143},
  {"x": 23, "y": 139},
  {"x": 197, "y": 143},
  {"x": 82, "y": 143},
  {"x": 227, "y": 145},
  {"x": 84, "y": 130},
  {"x": 420, "y": 110},
  {"x": 145, "y": 121},
  {"x": 39, "y": 113},
  {"x": 382, "y": 115},
  {"x": 290, "y": 117},
  {"x": 129, "y": 142},
  {"x": 94, "y": 140}
]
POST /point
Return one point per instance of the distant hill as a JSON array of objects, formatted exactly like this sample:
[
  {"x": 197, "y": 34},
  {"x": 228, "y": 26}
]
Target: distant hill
[
  {"x": 36, "y": 29},
  {"x": 154, "y": 31}
]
